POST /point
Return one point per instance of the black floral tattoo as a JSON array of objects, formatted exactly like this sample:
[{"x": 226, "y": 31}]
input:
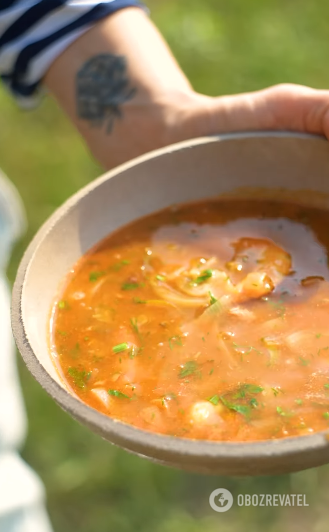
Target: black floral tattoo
[{"x": 102, "y": 86}]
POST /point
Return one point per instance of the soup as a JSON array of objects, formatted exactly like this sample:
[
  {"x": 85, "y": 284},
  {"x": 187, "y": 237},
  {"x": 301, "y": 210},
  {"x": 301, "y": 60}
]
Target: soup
[{"x": 206, "y": 320}]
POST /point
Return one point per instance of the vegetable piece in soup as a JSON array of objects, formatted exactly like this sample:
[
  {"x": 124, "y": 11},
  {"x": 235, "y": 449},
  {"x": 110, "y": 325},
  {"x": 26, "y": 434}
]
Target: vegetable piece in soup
[{"x": 205, "y": 321}]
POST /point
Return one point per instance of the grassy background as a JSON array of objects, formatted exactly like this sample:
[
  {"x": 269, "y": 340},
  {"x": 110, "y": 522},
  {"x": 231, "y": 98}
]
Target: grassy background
[{"x": 224, "y": 47}]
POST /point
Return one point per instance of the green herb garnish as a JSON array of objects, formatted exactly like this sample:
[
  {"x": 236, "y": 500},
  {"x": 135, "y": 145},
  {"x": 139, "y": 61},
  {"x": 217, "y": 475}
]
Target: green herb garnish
[
  {"x": 283, "y": 413},
  {"x": 299, "y": 401},
  {"x": 139, "y": 301},
  {"x": 94, "y": 276},
  {"x": 116, "y": 393},
  {"x": 189, "y": 368},
  {"x": 205, "y": 275},
  {"x": 75, "y": 351},
  {"x": 246, "y": 389},
  {"x": 120, "y": 348},
  {"x": 212, "y": 298},
  {"x": 244, "y": 392},
  {"x": 248, "y": 348},
  {"x": 241, "y": 409},
  {"x": 160, "y": 277},
  {"x": 214, "y": 399},
  {"x": 168, "y": 397},
  {"x": 118, "y": 265},
  {"x": 62, "y": 304},
  {"x": 326, "y": 415},
  {"x": 133, "y": 323},
  {"x": 130, "y": 286},
  {"x": 80, "y": 377},
  {"x": 278, "y": 306},
  {"x": 175, "y": 340}
]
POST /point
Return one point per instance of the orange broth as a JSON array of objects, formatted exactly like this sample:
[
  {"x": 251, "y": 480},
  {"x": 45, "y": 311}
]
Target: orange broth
[{"x": 206, "y": 320}]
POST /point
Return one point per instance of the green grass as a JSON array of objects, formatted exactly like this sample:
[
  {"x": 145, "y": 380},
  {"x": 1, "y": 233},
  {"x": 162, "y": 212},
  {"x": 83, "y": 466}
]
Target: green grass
[{"x": 224, "y": 47}]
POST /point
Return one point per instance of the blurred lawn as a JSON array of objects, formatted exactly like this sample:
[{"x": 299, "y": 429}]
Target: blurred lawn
[{"x": 224, "y": 47}]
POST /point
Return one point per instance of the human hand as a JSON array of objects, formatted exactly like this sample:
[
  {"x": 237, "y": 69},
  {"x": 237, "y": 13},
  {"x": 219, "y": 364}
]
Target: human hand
[
  {"x": 281, "y": 107},
  {"x": 124, "y": 91}
]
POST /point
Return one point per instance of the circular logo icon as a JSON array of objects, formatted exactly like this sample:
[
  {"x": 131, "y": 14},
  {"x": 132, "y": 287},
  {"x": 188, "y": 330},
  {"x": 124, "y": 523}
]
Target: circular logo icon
[{"x": 221, "y": 500}]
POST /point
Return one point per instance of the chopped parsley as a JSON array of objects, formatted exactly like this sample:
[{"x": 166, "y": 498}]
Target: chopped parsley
[
  {"x": 160, "y": 277},
  {"x": 246, "y": 389},
  {"x": 303, "y": 361},
  {"x": 116, "y": 393},
  {"x": 175, "y": 340},
  {"x": 248, "y": 349},
  {"x": 133, "y": 323},
  {"x": 139, "y": 301},
  {"x": 253, "y": 402},
  {"x": 75, "y": 351},
  {"x": 80, "y": 377},
  {"x": 168, "y": 397},
  {"x": 130, "y": 286},
  {"x": 283, "y": 413},
  {"x": 94, "y": 276},
  {"x": 241, "y": 409},
  {"x": 278, "y": 306},
  {"x": 245, "y": 393},
  {"x": 191, "y": 367},
  {"x": 214, "y": 399},
  {"x": 62, "y": 304},
  {"x": 326, "y": 415},
  {"x": 118, "y": 265}
]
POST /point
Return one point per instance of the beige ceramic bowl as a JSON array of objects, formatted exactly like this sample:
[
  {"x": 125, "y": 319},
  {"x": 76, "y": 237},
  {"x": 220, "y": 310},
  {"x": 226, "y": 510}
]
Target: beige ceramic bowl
[{"x": 189, "y": 171}]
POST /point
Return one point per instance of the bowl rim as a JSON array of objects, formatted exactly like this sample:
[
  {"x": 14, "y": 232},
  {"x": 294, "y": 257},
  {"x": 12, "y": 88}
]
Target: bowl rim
[{"x": 120, "y": 433}]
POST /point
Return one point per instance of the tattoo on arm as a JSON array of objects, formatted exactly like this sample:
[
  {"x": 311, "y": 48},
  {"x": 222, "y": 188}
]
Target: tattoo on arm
[{"x": 102, "y": 87}]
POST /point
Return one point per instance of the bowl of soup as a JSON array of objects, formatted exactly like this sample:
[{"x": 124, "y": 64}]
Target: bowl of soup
[{"x": 178, "y": 306}]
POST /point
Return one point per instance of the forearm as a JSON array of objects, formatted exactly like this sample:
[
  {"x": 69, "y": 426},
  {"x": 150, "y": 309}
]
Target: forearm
[
  {"x": 137, "y": 99},
  {"x": 121, "y": 112}
]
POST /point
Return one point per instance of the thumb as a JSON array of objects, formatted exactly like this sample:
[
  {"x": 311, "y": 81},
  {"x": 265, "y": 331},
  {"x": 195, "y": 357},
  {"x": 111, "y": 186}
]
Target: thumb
[{"x": 289, "y": 107}]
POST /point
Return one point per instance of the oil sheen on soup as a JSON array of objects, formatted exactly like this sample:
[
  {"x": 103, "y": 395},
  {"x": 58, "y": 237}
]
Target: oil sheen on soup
[{"x": 206, "y": 320}]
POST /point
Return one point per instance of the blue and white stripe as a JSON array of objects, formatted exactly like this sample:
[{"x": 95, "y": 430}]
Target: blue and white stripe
[{"x": 34, "y": 32}]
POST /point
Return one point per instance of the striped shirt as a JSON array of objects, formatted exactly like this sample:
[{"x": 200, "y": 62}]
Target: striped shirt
[{"x": 34, "y": 32}]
